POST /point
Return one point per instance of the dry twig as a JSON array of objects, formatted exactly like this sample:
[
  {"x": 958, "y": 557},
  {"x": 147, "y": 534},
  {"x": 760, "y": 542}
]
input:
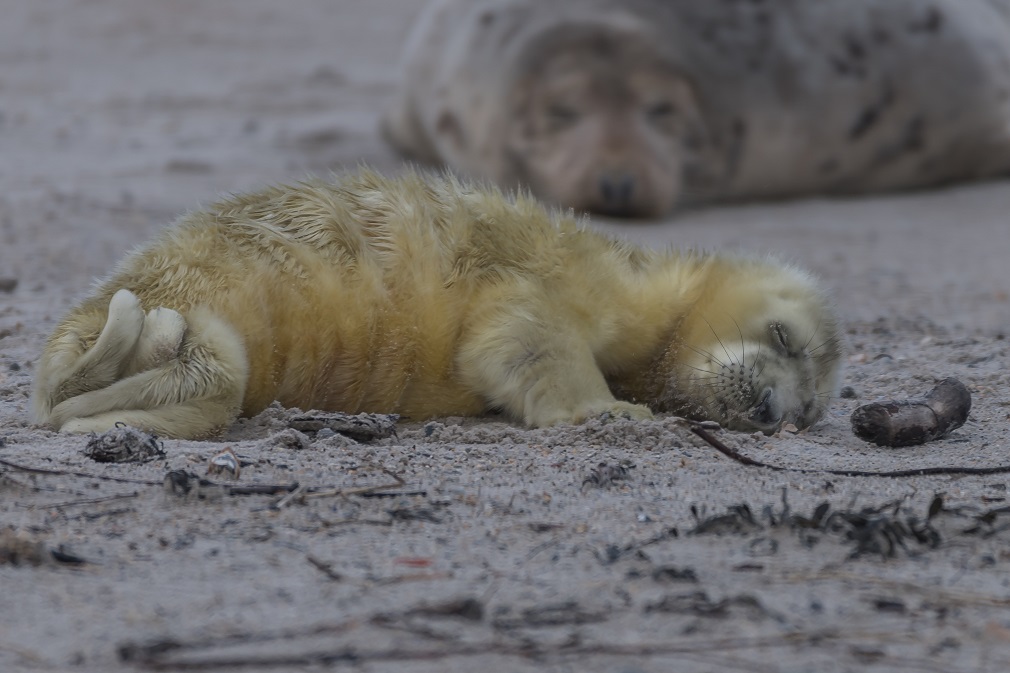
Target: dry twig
[
  {"x": 74, "y": 473},
  {"x": 90, "y": 501},
  {"x": 722, "y": 448},
  {"x": 172, "y": 655}
]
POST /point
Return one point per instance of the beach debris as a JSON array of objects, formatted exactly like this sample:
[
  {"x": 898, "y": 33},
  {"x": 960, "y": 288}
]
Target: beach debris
[
  {"x": 423, "y": 619},
  {"x": 182, "y": 483},
  {"x": 544, "y": 526},
  {"x": 360, "y": 427},
  {"x": 124, "y": 444},
  {"x": 291, "y": 497},
  {"x": 60, "y": 555},
  {"x": 613, "y": 553},
  {"x": 374, "y": 491},
  {"x": 884, "y": 530},
  {"x": 730, "y": 452},
  {"x": 185, "y": 484},
  {"x": 674, "y": 574},
  {"x": 550, "y": 614},
  {"x": 605, "y": 474},
  {"x": 286, "y": 439},
  {"x": 18, "y": 548},
  {"x": 225, "y": 463},
  {"x": 889, "y": 604},
  {"x": 699, "y": 604},
  {"x": 414, "y": 561},
  {"x": 738, "y": 519},
  {"x": 910, "y": 422},
  {"x": 415, "y": 514},
  {"x": 467, "y": 608},
  {"x": 325, "y": 568}
]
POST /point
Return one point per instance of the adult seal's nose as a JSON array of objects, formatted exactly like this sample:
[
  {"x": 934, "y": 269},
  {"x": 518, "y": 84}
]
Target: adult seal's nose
[{"x": 616, "y": 193}]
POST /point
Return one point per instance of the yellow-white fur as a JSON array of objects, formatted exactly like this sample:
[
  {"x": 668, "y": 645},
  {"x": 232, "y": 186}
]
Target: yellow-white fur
[{"x": 427, "y": 296}]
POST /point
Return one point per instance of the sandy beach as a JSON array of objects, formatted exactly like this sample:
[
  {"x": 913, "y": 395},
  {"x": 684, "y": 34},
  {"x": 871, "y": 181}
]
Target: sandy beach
[{"x": 469, "y": 544}]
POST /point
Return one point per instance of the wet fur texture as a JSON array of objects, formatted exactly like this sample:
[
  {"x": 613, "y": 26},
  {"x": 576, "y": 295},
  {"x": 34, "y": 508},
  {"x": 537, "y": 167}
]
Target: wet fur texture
[
  {"x": 427, "y": 296},
  {"x": 631, "y": 107}
]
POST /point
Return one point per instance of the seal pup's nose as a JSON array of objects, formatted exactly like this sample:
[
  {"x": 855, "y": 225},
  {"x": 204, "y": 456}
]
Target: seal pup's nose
[{"x": 765, "y": 414}]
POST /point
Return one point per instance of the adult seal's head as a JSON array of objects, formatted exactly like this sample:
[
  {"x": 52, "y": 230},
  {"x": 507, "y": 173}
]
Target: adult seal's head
[
  {"x": 583, "y": 104},
  {"x": 600, "y": 120},
  {"x": 633, "y": 107}
]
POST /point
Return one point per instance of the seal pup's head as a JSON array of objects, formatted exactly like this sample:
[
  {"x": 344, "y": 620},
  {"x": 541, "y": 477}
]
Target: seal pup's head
[
  {"x": 601, "y": 120},
  {"x": 758, "y": 351}
]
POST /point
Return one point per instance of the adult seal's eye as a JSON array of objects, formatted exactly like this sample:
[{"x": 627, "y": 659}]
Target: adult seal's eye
[
  {"x": 561, "y": 116},
  {"x": 660, "y": 111}
]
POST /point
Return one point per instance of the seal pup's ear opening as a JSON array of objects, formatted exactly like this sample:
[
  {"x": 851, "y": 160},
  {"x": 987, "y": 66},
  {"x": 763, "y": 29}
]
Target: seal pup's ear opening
[{"x": 760, "y": 348}]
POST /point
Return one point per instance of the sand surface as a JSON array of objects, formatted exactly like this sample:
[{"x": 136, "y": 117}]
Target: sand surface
[{"x": 501, "y": 550}]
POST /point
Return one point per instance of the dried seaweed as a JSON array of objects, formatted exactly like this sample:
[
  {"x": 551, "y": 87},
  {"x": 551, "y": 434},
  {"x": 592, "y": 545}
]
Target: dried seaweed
[
  {"x": 605, "y": 474},
  {"x": 360, "y": 427},
  {"x": 699, "y": 604},
  {"x": 613, "y": 553},
  {"x": 124, "y": 444},
  {"x": 738, "y": 519},
  {"x": 466, "y": 608},
  {"x": 19, "y": 548},
  {"x": 414, "y": 514},
  {"x": 206, "y": 654},
  {"x": 675, "y": 575},
  {"x": 187, "y": 484},
  {"x": 885, "y": 530},
  {"x": 552, "y": 614}
]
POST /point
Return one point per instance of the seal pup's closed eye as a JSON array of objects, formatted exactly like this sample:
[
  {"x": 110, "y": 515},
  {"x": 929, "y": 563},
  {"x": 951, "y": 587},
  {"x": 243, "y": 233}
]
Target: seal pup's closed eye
[{"x": 427, "y": 296}]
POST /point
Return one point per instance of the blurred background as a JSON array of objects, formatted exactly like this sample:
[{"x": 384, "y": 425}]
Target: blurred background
[{"x": 116, "y": 116}]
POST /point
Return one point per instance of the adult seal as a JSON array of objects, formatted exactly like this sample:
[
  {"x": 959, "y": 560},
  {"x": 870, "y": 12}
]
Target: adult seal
[{"x": 633, "y": 107}]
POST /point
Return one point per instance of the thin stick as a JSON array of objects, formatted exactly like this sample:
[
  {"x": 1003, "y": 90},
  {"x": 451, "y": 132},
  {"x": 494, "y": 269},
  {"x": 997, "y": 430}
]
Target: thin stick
[
  {"x": 73, "y": 473},
  {"x": 231, "y": 489},
  {"x": 325, "y": 568},
  {"x": 284, "y": 501},
  {"x": 91, "y": 516},
  {"x": 258, "y": 489},
  {"x": 920, "y": 472},
  {"x": 363, "y": 490},
  {"x": 92, "y": 501},
  {"x": 6, "y": 478},
  {"x": 364, "y": 522},
  {"x": 934, "y": 593},
  {"x": 153, "y": 655},
  {"x": 337, "y": 492}
]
